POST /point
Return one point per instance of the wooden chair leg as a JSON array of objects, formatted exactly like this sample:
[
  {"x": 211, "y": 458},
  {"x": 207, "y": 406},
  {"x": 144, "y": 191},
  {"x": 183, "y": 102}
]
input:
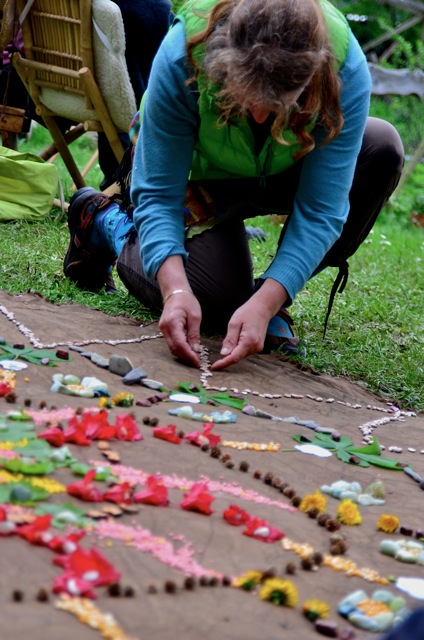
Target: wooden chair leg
[{"x": 63, "y": 149}]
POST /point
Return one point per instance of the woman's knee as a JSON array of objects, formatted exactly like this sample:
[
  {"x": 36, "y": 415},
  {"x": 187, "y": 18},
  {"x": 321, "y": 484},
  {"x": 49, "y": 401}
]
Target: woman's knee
[{"x": 383, "y": 143}]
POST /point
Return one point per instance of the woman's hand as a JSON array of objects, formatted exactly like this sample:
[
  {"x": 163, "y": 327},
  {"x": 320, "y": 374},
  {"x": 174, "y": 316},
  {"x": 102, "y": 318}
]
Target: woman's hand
[
  {"x": 248, "y": 325},
  {"x": 180, "y": 326},
  {"x": 181, "y": 315}
]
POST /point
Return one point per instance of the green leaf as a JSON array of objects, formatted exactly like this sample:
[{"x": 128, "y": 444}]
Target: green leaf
[
  {"x": 378, "y": 461},
  {"x": 220, "y": 398},
  {"x": 16, "y": 465},
  {"x": 366, "y": 455},
  {"x": 63, "y": 515},
  {"x": 38, "y": 448},
  {"x": 35, "y": 493},
  {"x": 34, "y": 356},
  {"x": 373, "y": 449}
]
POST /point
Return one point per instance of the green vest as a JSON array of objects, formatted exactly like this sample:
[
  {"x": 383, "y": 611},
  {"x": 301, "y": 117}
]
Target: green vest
[{"x": 228, "y": 151}]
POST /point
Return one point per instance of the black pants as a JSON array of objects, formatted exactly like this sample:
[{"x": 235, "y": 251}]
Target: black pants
[{"x": 219, "y": 267}]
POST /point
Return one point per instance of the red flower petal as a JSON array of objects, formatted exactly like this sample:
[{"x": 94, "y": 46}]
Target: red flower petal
[
  {"x": 126, "y": 428},
  {"x": 155, "y": 494},
  {"x": 235, "y": 516},
  {"x": 75, "y": 433},
  {"x": 84, "y": 489},
  {"x": 198, "y": 499},
  {"x": 119, "y": 493},
  {"x": 97, "y": 427},
  {"x": 262, "y": 530},
  {"x": 74, "y": 586},
  {"x": 53, "y": 436},
  {"x": 34, "y": 532},
  {"x": 5, "y": 388},
  {"x": 167, "y": 433},
  {"x": 205, "y": 437},
  {"x": 89, "y": 565}
]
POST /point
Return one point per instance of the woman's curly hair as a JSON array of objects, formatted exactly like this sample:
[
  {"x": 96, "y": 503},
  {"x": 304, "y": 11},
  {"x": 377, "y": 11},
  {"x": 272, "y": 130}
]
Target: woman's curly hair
[{"x": 256, "y": 51}]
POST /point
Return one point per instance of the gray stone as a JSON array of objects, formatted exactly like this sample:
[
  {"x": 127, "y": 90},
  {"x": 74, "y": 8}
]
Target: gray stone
[
  {"x": 120, "y": 365},
  {"x": 100, "y": 361},
  {"x": 74, "y": 347},
  {"x": 152, "y": 384},
  {"x": 86, "y": 354},
  {"x": 134, "y": 376},
  {"x": 2, "y": 340}
]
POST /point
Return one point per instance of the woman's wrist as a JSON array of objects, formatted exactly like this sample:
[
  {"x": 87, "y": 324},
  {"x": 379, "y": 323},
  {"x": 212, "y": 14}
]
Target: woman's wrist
[{"x": 175, "y": 292}]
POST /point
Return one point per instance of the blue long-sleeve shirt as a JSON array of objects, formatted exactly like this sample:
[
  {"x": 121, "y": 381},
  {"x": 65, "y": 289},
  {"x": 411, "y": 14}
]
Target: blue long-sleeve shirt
[{"x": 164, "y": 152}]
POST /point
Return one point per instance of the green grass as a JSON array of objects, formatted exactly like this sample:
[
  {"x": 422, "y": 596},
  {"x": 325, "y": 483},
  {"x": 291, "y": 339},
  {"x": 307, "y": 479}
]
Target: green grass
[{"x": 376, "y": 331}]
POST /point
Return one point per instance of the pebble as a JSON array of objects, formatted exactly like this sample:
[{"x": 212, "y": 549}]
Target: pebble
[
  {"x": 152, "y": 384},
  {"x": 120, "y": 365},
  {"x": 396, "y": 449},
  {"x": 327, "y": 628},
  {"x": 411, "y": 449},
  {"x": 406, "y": 531},
  {"x": 74, "y": 347},
  {"x": 86, "y": 354},
  {"x": 2, "y": 340},
  {"x": 100, "y": 361},
  {"x": 134, "y": 376}
]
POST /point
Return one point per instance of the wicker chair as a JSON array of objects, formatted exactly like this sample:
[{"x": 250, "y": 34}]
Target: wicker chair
[{"x": 74, "y": 68}]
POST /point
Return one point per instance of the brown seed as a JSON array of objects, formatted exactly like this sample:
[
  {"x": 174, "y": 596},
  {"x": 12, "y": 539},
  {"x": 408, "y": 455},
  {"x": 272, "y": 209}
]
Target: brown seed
[
  {"x": 257, "y": 474},
  {"x": 332, "y": 524},
  {"x": 154, "y": 422},
  {"x": 42, "y": 595},
  {"x": 296, "y": 501},
  {"x": 152, "y": 589},
  {"x": 229, "y": 464},
  {"x": 226, "y": 581},
  {"x": 338, "y": 547},
  {"x": 146, "y": 420},
  {"x": 244, "y": 466},
  {"x": 317, "y": 558},
  {"x": 215, "y": 452},
  {"x": 17, "y": 595},
  {"x": 205, "y": 447},
  {"x": 27, "y": 402},
  {"x": 189, "y": 583},
  {"x": 42, "y": 404},
  {"x": 268, "y": 478},
  {"x": 114, "y": 590},
  {"x": 307, "y": 564},
  {"x": 170, "y": 587},
  {"x": 289, "y": 492},
  {"x": 129, "y": 592},
  {"x": 322, "y": 519},
  {"x": 313, "y": 512},
  {"x": 290, "y": 568}
]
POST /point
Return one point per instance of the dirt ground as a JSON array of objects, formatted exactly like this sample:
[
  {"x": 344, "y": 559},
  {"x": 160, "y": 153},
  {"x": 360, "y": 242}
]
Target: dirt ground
[{"x": 208, "y": 542}]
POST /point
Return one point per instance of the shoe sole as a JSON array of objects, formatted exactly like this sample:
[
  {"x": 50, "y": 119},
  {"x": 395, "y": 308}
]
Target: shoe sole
[{"x": 76, "y": 271}]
